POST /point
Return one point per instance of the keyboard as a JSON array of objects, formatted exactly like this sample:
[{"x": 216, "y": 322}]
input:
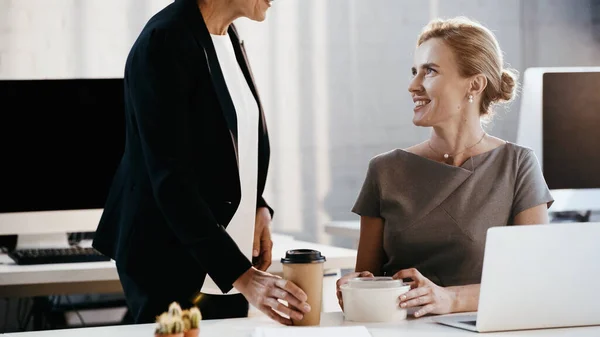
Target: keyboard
[{"x": 56, "y": 255}]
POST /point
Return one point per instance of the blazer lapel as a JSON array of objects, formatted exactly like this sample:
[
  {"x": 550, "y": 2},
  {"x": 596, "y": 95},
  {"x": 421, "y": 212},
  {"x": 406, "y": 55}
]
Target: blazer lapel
[
  {"x": 242, "y": 59},
  {"x": 202, "y": 36}
]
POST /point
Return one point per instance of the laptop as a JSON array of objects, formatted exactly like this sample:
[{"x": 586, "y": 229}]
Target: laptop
[{"x": 536, "y": 277}]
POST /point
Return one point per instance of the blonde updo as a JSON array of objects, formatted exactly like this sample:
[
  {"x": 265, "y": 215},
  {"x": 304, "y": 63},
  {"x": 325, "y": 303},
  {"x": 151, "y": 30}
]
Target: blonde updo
[{"x": 476, "y": 51}]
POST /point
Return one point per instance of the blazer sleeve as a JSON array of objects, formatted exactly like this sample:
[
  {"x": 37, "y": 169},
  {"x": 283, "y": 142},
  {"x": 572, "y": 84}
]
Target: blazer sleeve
[
  {"x": 160, "y": 87},
  {"x": 261, "y": 202}
]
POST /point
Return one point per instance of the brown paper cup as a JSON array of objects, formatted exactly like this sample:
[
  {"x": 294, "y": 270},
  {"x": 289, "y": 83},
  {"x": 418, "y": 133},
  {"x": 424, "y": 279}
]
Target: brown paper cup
[{"x": 304, "y": 267}]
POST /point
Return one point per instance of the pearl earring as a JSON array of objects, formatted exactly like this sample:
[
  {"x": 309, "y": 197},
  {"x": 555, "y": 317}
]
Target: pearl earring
[{"x": 470, "y": 98}]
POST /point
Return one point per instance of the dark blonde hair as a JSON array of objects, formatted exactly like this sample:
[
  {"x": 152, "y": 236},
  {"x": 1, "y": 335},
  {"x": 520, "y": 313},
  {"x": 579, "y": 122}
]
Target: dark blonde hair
[{"x": 476, "y": 51}]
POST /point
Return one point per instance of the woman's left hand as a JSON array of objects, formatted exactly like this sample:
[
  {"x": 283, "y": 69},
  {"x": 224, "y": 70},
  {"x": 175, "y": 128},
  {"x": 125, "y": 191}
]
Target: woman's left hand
[
  {"x": 262, "y": 246},
  {"x": 433, "y": 298}
]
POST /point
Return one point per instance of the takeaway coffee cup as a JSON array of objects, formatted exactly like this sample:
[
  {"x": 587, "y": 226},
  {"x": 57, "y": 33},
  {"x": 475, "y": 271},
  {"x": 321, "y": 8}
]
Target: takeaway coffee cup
[{"x": 304, "y": 267}]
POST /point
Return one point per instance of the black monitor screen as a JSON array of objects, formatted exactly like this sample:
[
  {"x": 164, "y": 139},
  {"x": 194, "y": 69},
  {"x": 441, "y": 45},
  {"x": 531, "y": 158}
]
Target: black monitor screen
[
  {"x": 571, "y": 130},
  {"x": 60, "y": 143}
]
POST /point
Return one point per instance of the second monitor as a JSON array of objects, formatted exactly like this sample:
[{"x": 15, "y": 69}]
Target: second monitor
[
  {"x": 559, "y": 119},
  {"x": 571, "y": 130}
]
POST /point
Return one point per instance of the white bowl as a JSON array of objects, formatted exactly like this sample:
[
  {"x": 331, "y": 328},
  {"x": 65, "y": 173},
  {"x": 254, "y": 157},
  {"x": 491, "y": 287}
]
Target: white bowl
[{"x": 373, "y": 299}]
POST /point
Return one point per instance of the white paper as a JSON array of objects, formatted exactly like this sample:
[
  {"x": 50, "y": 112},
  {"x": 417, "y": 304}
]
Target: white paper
[{"x": 345, "y": 331}]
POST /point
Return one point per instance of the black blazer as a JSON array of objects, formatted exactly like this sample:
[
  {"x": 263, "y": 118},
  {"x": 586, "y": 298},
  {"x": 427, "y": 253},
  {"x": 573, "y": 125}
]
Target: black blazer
[{"x": 177, "y": 186}]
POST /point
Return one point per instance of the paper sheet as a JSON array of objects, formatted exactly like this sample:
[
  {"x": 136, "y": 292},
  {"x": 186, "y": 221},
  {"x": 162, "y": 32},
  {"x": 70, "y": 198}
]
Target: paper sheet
[{"x": 345, "y": 331}]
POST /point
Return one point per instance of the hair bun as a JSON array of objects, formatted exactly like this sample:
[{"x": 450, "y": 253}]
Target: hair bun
[{"x": 508, "y": 83}]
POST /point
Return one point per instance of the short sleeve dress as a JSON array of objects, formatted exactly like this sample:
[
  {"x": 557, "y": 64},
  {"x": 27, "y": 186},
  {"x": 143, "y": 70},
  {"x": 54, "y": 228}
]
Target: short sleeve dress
[{"x": 436, "y": 216}]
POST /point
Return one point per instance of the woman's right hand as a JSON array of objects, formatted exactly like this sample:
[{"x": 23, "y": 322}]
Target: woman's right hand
[
  {"x": 262, "y": 290},
  {"x": 345, "y": 280}
]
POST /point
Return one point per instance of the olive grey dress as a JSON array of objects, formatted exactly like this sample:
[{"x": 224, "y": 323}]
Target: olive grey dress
[{"x": 436, "y": 215}]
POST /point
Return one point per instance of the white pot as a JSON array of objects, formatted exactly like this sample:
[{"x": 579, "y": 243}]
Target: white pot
[{"x": 371, "y": 299}]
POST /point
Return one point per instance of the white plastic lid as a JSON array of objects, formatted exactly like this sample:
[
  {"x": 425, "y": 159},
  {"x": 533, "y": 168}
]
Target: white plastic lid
[{"x": 377, "y": 282}]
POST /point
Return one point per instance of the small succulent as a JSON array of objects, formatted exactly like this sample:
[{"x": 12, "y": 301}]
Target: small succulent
[
  {"x": 191, "y": 318},
  {"x": 187, "y": 322},
  {"x": 195, "y": 317},
  {"x": 168, "y": 324},
  {"x": 175, "y": 309}
]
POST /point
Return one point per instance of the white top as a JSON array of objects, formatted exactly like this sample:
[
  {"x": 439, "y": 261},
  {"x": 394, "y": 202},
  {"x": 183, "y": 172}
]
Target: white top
[{"x": 241, "y": 227}]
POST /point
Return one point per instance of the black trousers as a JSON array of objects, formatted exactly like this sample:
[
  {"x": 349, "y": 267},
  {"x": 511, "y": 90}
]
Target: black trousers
[
  {"x": 144, "y": 308},
  {"x": 223, "y": 306}
]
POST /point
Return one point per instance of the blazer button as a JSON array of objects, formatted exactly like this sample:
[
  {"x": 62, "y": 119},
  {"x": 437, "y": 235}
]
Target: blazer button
[{"x": 132, "y": 187}]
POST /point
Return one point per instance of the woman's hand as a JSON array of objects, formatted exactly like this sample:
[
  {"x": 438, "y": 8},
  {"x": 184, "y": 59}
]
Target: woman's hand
[
  {"x": 263, "y": 290},
  {"x": 433, "y": 298},
  {"x": 262, "y": 246},
  {"x": 345, "y": 280}
]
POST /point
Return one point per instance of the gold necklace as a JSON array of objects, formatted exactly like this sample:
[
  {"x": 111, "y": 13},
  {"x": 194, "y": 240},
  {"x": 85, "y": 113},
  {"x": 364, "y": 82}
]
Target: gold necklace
[{"x": 446, "y": 155}]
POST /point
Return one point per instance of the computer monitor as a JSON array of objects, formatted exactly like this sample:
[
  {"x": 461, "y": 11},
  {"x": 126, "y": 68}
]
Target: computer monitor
[
  {"x": 61, "y": 141},
  {"x": 559, "y": 119}
]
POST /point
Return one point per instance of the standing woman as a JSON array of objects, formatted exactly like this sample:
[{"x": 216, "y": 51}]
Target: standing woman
[{"x": 195, "y": 163}]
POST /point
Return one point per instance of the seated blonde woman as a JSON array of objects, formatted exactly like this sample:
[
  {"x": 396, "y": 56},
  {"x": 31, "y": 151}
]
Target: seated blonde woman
[{"x": 424, "y": 211}]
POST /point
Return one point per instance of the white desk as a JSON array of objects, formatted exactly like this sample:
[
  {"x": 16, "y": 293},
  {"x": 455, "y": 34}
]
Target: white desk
[
  {"x": 244, "y": 327},
  {"x": 349, "y": 229},
  {"x": 102, "y": 277}
]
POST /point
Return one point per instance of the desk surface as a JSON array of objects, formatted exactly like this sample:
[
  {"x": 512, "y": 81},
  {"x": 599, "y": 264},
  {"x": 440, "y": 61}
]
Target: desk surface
[
  {"x": 15, "y": 275},
  {"x": 423, "y": 327},
  {"x": 344, "y": 228}
]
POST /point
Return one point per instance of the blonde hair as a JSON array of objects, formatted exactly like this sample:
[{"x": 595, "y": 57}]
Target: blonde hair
[{"x": 477, "y": 52}]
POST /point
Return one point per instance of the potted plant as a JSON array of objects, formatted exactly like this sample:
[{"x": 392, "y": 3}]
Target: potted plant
[
  {"x": 175, "y": 309},
  {"x": 169, "y": 326},
  {"x": 191, "y": 321}
]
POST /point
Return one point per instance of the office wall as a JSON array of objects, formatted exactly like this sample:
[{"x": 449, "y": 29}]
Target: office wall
[
  {"x": 69, "y": 38},
  {"x": 332, "y": 74}
]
